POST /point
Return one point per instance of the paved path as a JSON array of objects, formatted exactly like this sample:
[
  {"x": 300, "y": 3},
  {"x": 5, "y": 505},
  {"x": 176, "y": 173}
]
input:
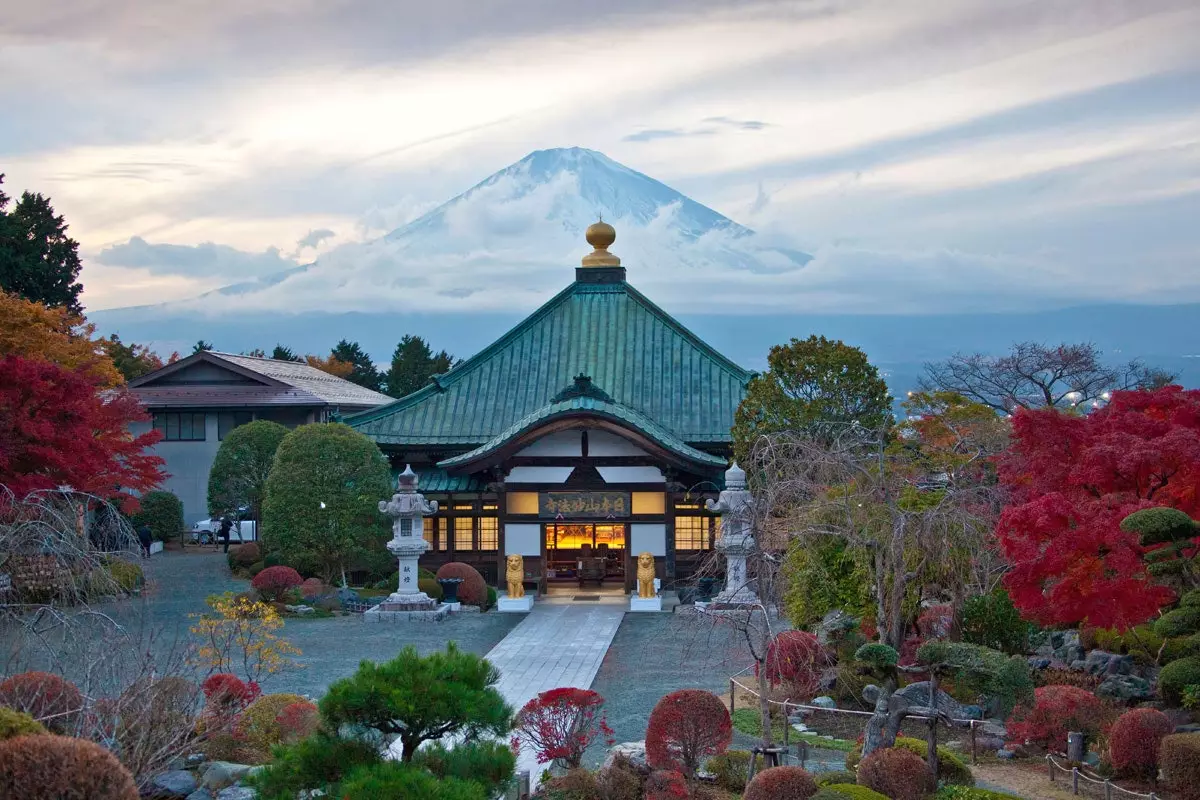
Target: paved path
[{"x": 559, "y": 643}]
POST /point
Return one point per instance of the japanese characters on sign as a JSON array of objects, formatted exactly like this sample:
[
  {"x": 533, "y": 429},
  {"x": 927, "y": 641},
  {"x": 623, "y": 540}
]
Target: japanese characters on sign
[{"x": 580, "y": 505}]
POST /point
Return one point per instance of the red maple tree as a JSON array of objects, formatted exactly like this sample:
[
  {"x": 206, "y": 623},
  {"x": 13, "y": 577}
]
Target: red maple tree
[
  {"x": 560, "y": 724},
  {"x": 1072, "y": 480},
  {"x": 58, "y": 427}
]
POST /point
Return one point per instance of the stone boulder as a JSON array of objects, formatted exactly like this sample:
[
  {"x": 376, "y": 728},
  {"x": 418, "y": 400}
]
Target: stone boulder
[
  {"x": 237, "y": 793},
  {"x": 634, "y": 752},
  {"x": 220, "y": 774},
  {"x": 201, "y": 794},
  {"x": 1125, "y": 687},
  {"x": 174, "y": 783},
  {"x": 823, "y": 702},
  {"x": 1100, "y": 662},
  {"x": 918, "y": 695}
]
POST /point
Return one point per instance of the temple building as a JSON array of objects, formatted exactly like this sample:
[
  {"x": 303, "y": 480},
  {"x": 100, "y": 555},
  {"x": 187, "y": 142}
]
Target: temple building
[{"x": 591, "y": 432}]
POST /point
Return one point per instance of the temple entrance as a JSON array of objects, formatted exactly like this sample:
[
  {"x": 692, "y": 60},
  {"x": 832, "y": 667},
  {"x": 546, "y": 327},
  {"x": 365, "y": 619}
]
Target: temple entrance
[{"x": 586, "y": 554}]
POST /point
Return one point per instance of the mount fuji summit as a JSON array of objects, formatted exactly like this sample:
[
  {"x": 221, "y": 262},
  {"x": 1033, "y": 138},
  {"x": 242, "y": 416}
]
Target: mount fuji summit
[{"x": 511, "y": 240}]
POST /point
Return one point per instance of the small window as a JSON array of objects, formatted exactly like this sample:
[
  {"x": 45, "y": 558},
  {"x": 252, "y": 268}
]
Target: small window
[
  {"x": 228, "y": 420},
  {"x": 489, "y": 533},
  {"x": 180, "y": 427},
  {"x": 694, "y": 533},
  {"x": 434, "y": 531},
  {"x": 463, "y": 534}
]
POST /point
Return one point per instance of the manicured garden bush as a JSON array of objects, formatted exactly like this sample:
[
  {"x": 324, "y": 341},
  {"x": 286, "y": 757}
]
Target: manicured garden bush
[
  {"x": 993, "y": 621},
  {"x": 1183, "y": 621},
  {"x": 560, "y": 724},
  {"x": 849, "y": 791},
  {"x": 297, "y": 721},
  {"x": 835, "y": 776},
  {"x": 162, "y": 512},
  {"x": 951, "y": 768},
  {"x": 1057, "y": 710},
  {"x": 666, "y": 785},
  {"x": 429, "y": 586},
  {"x": 312, "y": 588},
  {"x": 491, "y": 598},
  {"x": 243, "y": 555},
  {"x": 273, "y": 582},
  {"x": 781, "y": 783},
  {"x": 686, "y": 728},
  {"x": 488, "y": 762},
  {"x": 969, "y": 793},
  {"x": 795, "y": 660},
  {"x": 1176, "y": 677},
  {"x": 240, "y": 469},
  {"x": 62, "y": 768},
  {"x": 1179, "y": 759},
  {"x": 622, "y": 780},
  {"x": 1134, "y": 740},
  {"x": 125, "y": 574},
  {"x": 896, "y": 773},
  {"x": 729, "y": 769},
  {"x": 576, "y": 784},
  {"x": 317, "y": 765},
  {"x": 17, "y": 723},
  {"x": 473, "y": 590},
  {"x": 255, "y": 568},
  {"x": 46, "y": 697},
  {"x": 259, "y": 725},
  {"x": 392, "y": 779}
]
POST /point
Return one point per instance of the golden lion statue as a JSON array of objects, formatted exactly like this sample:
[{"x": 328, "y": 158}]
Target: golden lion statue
[
  {"x": 645, "y": 575},
  {"x": 515, "y": 575}
]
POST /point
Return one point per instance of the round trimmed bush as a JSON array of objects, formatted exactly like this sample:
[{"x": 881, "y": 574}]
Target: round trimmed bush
[
  {"x": 162, "y": 513},
  {"x": 666, "y": 785},
  {"x": 1057, "y": 710},
  {"x": 687, "y": 728},
  {"x": 62, "y": 768},
  {"x": 781, "y": 783},
  {"x": 243, "y": 555},
  {"x": 255, "y": 568},
  {"x": 259, "y": 724},
  {"x": 49, "y": 699},
  {"x": 836, "y": 776},
  {"x": 297, "y": 721},
  {"x": 125, "y": 574},
  {"x": 896, "y": 773},
  {"x": 473, "y": 590},
  {"x": 1177, "y": 676},
  {"x": 313, "y": 588},
  {"x": 1134, "y": 740},
  {"x": 18, "y": 723},
  {"x": 1179, "y": 757},
  {"x": 430, "y": 587},
  {"x": 951, "y": 768},
  {"x": 1182, "y": 621},
  {"x": 729, "y": 769},
  {"x": 273, "y": 582}
]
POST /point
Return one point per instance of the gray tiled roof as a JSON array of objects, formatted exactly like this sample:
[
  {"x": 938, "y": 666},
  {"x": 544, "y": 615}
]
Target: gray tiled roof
[{"x": 329, "y": 388}]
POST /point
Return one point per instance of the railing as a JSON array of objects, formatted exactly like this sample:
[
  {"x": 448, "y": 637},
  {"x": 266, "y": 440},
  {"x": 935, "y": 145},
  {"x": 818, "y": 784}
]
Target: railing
[{"x": 1082, "y": 783}]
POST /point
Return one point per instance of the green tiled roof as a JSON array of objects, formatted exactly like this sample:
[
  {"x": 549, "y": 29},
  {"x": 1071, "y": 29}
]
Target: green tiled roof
[
  {"x": 642, "y": 358},
  {"x": 601, "y": 408},
  {"x": 433, "y": 481}
]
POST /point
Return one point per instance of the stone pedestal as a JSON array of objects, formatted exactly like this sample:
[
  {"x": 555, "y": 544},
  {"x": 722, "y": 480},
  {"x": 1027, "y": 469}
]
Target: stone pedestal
[
  {"x": 381, "y": 613},
  {"x": 645, "y": 604},
  {"x": 514, "y": 605},
  {"x": 736, "y": 541}
]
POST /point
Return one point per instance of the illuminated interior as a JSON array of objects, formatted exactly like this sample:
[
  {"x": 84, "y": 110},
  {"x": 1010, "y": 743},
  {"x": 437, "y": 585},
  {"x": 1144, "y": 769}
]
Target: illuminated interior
[{"x": 567, "y": 545}]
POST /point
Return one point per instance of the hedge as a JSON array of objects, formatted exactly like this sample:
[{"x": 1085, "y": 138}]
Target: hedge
[{"x": 162, "y": 512}]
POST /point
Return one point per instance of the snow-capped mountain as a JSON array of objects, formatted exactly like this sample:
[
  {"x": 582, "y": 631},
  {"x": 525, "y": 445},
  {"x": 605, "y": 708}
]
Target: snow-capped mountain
[{"x": 513, "y": 238}]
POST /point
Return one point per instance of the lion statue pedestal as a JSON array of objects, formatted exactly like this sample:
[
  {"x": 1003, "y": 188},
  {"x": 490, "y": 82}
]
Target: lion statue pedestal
[
  {"x": 647, "y": 597},
  {"x": 515, "y": 600}
]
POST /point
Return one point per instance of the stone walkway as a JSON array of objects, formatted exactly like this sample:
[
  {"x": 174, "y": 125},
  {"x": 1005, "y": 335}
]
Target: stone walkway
[{"x": 559, "y": 643}]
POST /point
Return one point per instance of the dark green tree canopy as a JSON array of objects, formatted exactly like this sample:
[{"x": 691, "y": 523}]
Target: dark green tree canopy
[
  {"x": 162, "y": 512},
  {"x": 201, "y": 345},
  {"x": 240, "y": 469},
  {"x": 281, "y": 353},
  {"x": 364, "y": 373},
  {"x": 334, "y": 465},
  {"x": 131, "y": 360},
  {"x": 421, "y": 698},
  {"x": 38, "y": 261},
  {"x": 413, "y": 364},
  {"x": 811, "y": 383}
]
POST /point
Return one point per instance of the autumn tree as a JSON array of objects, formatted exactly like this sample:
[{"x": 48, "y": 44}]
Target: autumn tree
[
  {"x": 810, "y": 385},
  {"x": 38, "y": 261},
  {"x": 413, "y": 364},
  {"x": 1034, "y": 375},
  {"x": 36, "y": 331},
  {"x": 56, "y": 429},
  {"x": 363, "y": 371},
  {"x": 132, "y": 360},
  {"x": 1073, "y": 479},
  {"x": 339, "y": 369}
]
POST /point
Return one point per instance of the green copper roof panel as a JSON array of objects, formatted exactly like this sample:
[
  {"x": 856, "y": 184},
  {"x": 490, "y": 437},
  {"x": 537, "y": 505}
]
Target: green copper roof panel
[
  {"x": 434, "y": 481},
  {"x": 630, "y": 348}
]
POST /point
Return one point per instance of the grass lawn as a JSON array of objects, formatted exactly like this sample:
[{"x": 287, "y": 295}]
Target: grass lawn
[{"x": 749, "y": 722}]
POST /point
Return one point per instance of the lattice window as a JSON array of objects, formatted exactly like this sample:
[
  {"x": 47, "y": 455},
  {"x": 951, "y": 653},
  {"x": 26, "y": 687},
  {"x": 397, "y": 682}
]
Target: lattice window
[{"x": 694, "y": 533}]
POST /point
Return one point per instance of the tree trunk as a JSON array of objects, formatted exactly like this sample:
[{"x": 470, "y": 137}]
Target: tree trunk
[
  {"x": 932, "y": 755},
  {"x": 764, "y": 705},
  {"x": 878, "y": 735}
]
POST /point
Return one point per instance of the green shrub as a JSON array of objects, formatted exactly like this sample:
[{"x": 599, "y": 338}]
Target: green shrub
[
  {"x": 1191, "y": 599},
  {"x": 62, "y": 768},
  {"x": 1179, "y": 759},
  {"x": 853, "y": 792},
  {"x": 392, "y": 780},
  {"x": 429, "y": 586},
  {"x": 259, "y": 725},
  {"x": 821, "y": 576},
  {"x": 240, "y": 469},
  {"x": 826, "y": 793},
  {"x": 15, "y": 723},
  {"x": 991, "y": 620},
  {"x": 837, "y": 776},
  {"x": 125, "y": 574},
  {"x": 969, "y": 793},
  {"x": 1176, "y": 677},
  {"x": 422, "y": 573},
  {"x": 729, "y": 769},
  {"x": 275, "y": 560},
  {"x": 162, "y": 512},
  {"x": 318, "y": 763},
  {"x": 489, "y": 763},
  {"x": 877, "y": 656},
  {"x": 255, "y": 568},
  {"x": 1183, "y": 621}
]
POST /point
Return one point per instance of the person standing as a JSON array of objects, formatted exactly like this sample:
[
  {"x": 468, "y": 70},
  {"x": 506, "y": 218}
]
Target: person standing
[
  {"x": 226, "y": 527},
  {"x": 144, "y": 537}
]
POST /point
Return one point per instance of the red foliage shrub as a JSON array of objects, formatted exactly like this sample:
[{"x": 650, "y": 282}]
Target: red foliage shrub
[
  {"x": 1059, "y": 676},
  {"x": 896, "y": 773},
  {"x": 51, "y": 700},
  {"x": 225, "y": 696},
  {"x": 297, "y": 721},
  {"x": 935, "y": 622},
  {"x": 272, "y": 582},
  {"x": 473, "y": 590},
  {"x": 313, "y": 587},
  {"x": 666, "y": 785},
  {"x": 1134, "y": 741},
  {"x": 687, "y": 728},
  {"x": 243, "y": 555},
  {"x": 561, "y": 724},
  {"x": 62, "y": 768},
  {"x": 795, "y": 659},
  {"x": 781, "y": 783},
  {"x": 1056, "y": 710},
  {"x": 1179, "y": 757}
]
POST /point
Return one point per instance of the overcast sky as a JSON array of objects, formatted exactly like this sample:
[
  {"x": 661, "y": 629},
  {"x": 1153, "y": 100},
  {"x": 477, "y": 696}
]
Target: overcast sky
[{"x": 191, "y": 143}]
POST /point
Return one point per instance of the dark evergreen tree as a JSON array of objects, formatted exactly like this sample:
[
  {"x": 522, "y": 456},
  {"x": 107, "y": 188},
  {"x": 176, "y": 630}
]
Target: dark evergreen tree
[
  {"x": 201, "y": 345},
  {"x": 38, "y": 261},
  {"x": 413, "y": 364},
  {"x": 364, "y": 372},
  {"x": 281, "y": 353}
]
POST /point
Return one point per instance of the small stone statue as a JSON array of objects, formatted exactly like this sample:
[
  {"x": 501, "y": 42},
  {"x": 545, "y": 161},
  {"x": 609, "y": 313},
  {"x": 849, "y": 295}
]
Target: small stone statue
[
  {"x": 515, "y": 576},
  {"x": 645, "y": 575}
]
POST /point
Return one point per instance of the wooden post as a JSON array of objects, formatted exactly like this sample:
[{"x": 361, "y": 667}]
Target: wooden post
[
  {"x": 1074, "y": 780},
  {"x": 732, "y": 695},
  {"x": 974, "y": 749},
  {"x": 1050, "y": 764},
  {"x": 787, "y": 727},
  {"x": 802, "y": 751},
  {"x": 931, "y": 745},
  {"x": 1108, "y": 790}
]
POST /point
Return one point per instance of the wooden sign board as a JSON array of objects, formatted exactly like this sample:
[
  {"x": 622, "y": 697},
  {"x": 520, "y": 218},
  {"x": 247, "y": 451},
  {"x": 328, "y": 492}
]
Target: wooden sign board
[{"x": 584, "y": 505}]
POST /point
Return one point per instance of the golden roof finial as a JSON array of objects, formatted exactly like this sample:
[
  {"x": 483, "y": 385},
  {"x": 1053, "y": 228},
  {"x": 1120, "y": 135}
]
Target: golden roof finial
[{"x": 600, "y": 236}]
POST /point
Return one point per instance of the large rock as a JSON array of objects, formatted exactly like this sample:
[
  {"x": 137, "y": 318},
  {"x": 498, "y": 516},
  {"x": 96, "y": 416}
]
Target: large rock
[
  {"x": 918, "y": 695},
  {"x": 634, "y": 752},
  {"x": 833, "y": 625},
  {"x": 992, "y": 727},
  {"x": 1069, "y": 654},
  {"x": 175, "y": 783},
  {"x": 1100, "y": 662},
  {"x": 220, "y": 774},
  {"x": 1125, "y": 687},
  {"x": 237, "y": 793},
  {"x": 824, "y": 702}
]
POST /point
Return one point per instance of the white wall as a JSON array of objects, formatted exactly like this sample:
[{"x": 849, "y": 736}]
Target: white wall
[
  {"x": 538, "y": 474},
  {"x": 631, "y": 474},
  {"x": 648, "y": 537},
  {"x": 603, "y": 443},
  {"x": 522, "y": 539},
  {"x": 559, "y": 443},
  {"x": 188, "y": 465}
]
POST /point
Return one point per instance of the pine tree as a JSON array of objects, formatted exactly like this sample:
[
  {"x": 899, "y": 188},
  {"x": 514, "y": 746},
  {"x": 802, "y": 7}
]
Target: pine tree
[
  {"x": 364, "y": 372},
  {"x": 38, "y": 261},
  {"x": 281, "y": 353},
  {"x": 413, "y": 364},
  {"x": 201, "y": 345}
]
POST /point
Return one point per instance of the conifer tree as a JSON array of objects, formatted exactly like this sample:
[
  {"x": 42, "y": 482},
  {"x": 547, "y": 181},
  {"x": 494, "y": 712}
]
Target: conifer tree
[{"x": 38, "y": 261}]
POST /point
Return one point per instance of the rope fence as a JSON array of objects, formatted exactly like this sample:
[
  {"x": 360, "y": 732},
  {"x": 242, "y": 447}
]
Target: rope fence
[{"x": 1083, "y": 784}]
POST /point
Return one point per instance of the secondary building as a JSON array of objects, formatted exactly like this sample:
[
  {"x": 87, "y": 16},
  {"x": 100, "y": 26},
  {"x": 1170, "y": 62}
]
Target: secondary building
[
  {"x": 591, "y": 432},
  {"x": 198, "y": 400}
]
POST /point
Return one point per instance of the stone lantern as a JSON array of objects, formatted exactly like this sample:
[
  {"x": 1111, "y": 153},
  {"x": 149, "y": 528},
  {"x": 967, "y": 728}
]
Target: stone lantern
[
  {"x": 736, "y": 539},
  {"x": 408, "y": 508}
]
